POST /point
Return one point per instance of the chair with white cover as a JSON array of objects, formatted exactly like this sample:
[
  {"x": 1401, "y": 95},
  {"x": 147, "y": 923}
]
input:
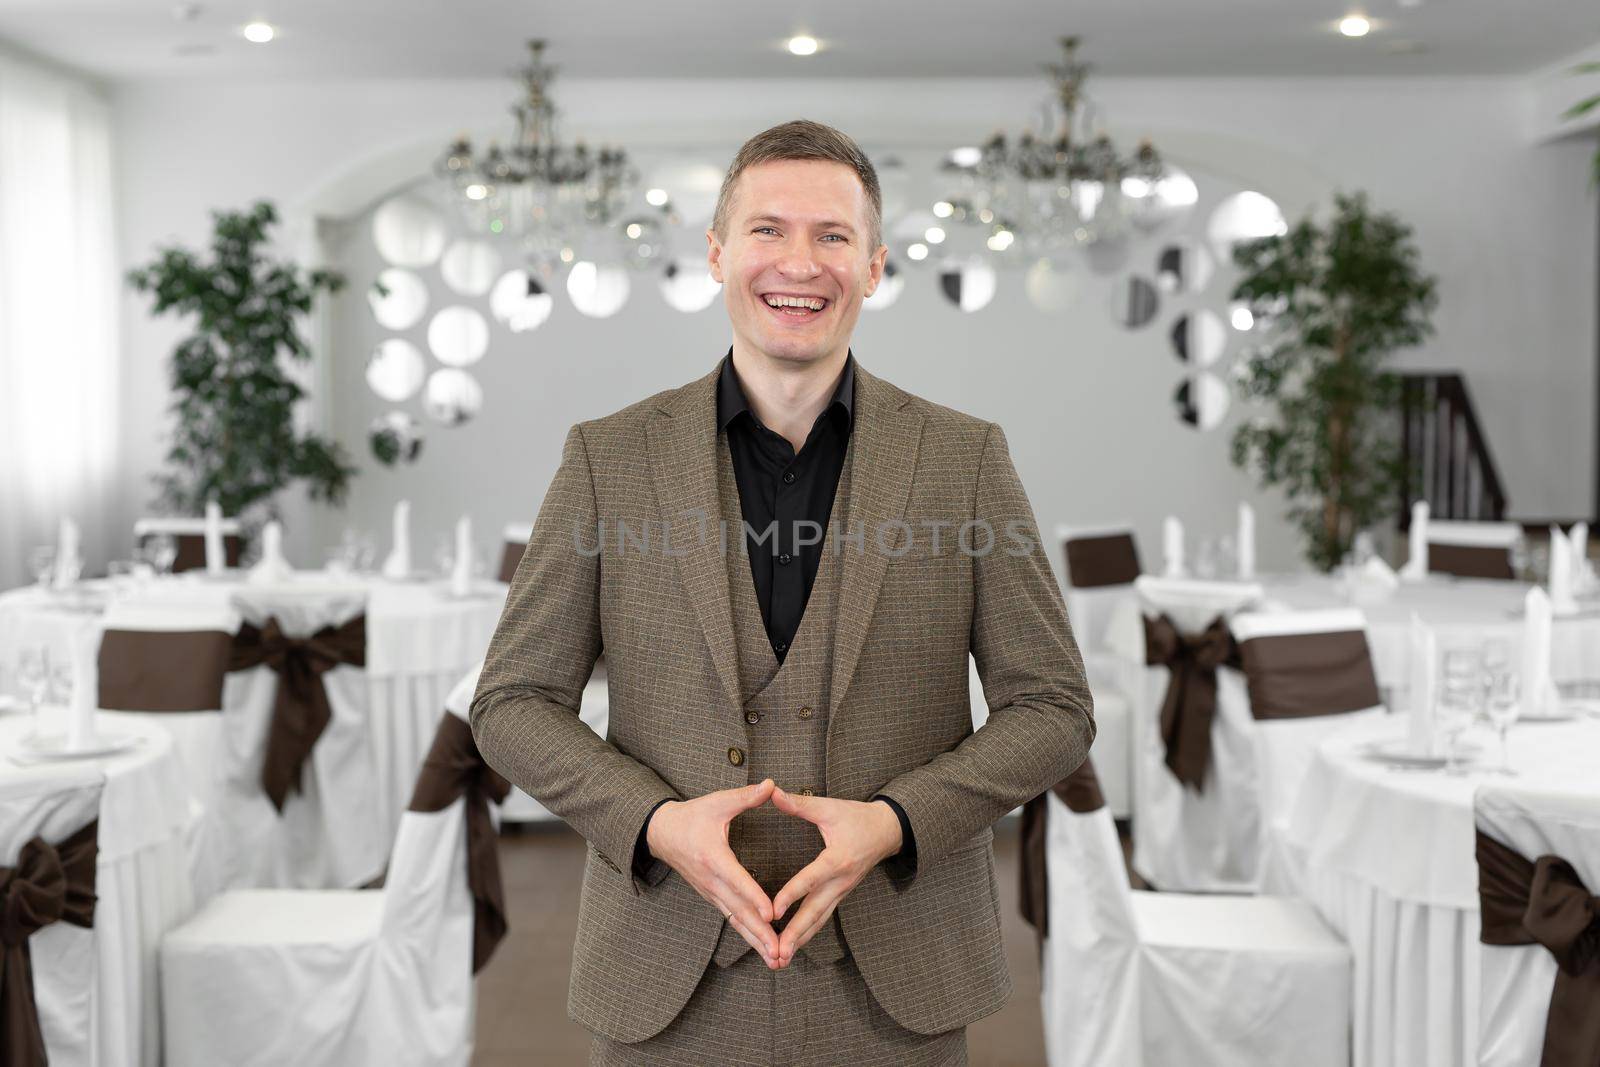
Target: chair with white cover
[
  {"x": 516, "y": 543},
  {"x": 1539, "y": 953},
  {"x": 1473, "y": 549},
  {"x": 1303, "y": 675},
  {"x": 1131, "y": 978},
  {"x": 48, "y": 839},
  {"x": 1101, "y": 565},
  {"x": 297, "y": 786},
  {"x": 1197, "y": 827},
  {"x": 189, "y": 537},
  {"x": 327, "y": 978}
]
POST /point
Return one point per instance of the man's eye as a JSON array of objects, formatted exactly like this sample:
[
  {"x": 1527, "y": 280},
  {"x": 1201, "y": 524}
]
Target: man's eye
[
  {"x": 835, "y": 235},
  {"x": 763, "y": 229}
]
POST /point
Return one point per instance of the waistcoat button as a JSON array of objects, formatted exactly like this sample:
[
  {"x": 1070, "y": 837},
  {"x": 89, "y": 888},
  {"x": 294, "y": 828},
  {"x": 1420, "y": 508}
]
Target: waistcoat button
[
  {"x": 752, "y": 717},
  {"x": 805, "y": 713},
  {"x": 807, "y": 793},
  {"x": 736, "y": 756}
]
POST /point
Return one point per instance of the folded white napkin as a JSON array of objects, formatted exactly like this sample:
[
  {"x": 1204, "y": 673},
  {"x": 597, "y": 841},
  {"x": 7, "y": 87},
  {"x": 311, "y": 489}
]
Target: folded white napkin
[
  {"x": 1562, "y": 574},
  {"x": 461, "y": 573},
  {"x": 1539, "y": 695},
  {"x": 1583, "y": 576},
  {"x": 1172, "y": 547},
  {"x": 1416, "y": 567},
  {"x": 85, "y": 656},
  {"x": 216, "y": 556},
  {"x": 1375, "y": 571},
  {"x": 69, "y": 555},
  {"x": 273, "y": 567},
  {"x": 1246, "y": 541},
  {"x": 1423, "y": 734},
  {"x": 397, "y": 565}
]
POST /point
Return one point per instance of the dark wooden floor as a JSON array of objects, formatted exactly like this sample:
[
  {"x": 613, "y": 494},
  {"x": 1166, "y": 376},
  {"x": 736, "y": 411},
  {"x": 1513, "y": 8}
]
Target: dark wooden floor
[{"x": 522, "y": 994}]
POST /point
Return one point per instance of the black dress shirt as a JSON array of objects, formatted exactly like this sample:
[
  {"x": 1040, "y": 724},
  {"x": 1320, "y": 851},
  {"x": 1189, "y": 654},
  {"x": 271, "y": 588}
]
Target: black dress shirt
[{"x": 786, "y": 500}]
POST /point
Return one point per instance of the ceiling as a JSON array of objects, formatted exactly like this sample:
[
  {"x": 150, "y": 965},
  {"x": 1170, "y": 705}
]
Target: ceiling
[{"x": 133, "y": 40}]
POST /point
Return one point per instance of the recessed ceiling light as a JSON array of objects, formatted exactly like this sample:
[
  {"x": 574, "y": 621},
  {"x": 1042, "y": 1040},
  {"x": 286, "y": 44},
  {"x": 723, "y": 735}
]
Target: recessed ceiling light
[
  {"x": 259, "y": 32},
  {"x": 1354, "y": 26},
  {"x": 803, "y": 45}
]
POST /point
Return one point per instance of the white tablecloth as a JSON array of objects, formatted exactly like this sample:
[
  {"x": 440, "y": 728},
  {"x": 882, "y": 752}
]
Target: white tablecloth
[
  {"x": 142, "y": 880},
  {"x": 1390, "y": 863},
  {"x": 420, "y": 641}
]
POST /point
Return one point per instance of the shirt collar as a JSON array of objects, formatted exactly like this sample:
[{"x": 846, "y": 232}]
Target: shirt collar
[{"x": 731, "y": 400}]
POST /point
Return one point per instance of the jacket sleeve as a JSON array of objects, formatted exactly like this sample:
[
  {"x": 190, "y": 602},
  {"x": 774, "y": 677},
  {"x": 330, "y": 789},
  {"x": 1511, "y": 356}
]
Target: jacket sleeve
[
  {"x": 1041, "y": 718},
  {"x": 525, "y": 711}
]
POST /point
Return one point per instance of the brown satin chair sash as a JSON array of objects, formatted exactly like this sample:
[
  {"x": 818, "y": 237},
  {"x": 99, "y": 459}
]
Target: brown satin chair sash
[
  {"x": 192, "y": 550},
  {"x": 1293, "y": 676},
  {"x": 510, "y": 556},
  {"x": 49, "y": 884},
  {"x": 1080, "y": 792},
  {"x": 454, "y": 768},
  {"x": 1098, "y": 561},
  {"x": 300, "y": 710},
  {"x": 163, "y": 670},
  {"x": 1471, "y": 561},
  {"x": 1544, "y": 902},
  {"x": 1191, "y": 700}
]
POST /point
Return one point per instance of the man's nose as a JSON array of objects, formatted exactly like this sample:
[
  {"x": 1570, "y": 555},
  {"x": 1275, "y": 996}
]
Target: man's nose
[{"x": 797, "y": 261}]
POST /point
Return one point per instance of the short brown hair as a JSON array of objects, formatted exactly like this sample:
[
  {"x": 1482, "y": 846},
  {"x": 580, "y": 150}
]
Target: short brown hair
[{"x": 803, "y": 139}]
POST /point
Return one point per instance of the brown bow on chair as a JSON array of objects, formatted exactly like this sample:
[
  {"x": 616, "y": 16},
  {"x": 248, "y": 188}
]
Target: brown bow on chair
[
  {"x": 300, "y": 711},
  {"x": 50, "y": 883},
  {"x": 1544, "y": 902},
  {"x": 455, "y": 768},
  {"x": 1191, "y": 700},
  {"x": 1080, "y": 792}
]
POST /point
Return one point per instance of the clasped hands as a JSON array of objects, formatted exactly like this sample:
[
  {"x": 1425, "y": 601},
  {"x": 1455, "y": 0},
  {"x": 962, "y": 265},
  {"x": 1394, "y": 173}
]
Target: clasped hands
[{"x": 691, "y": 837}]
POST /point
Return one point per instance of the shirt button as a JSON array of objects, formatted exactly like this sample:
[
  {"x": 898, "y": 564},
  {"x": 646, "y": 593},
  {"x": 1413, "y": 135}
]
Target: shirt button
[
  {"x": 805, "y": 713},
  {"x": 788, "y": 477},
  {"x": 736, "y": 756},
  {"x": 752, "y": 717},
  {"x": 785, "y": 559},
  {"x": 781, "y": 646}
]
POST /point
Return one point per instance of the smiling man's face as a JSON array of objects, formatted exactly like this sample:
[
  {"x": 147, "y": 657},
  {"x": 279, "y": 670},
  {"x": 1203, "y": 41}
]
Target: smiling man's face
[{"x": 798, "y": 234}]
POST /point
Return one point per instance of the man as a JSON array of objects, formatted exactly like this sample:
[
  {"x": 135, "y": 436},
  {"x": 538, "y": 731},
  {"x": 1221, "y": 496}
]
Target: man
[{"x": 786, "y": 564}]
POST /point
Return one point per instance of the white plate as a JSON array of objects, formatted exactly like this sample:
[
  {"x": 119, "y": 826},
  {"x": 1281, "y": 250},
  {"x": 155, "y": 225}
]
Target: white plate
[
  {"x": 1565, "y": 711},
  {"x": 53, "y": 746},
  {"x": 8, "y": 703},
  {"x": 1396, "y": 751}
]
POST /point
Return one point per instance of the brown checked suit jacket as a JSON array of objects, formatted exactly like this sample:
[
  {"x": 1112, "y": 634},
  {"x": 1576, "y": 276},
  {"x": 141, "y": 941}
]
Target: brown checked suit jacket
[{"x": 928, "y": 945}]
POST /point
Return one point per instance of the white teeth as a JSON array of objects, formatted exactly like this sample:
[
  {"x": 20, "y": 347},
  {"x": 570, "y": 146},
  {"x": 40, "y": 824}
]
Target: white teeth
[{"x": 795, "y": 302}]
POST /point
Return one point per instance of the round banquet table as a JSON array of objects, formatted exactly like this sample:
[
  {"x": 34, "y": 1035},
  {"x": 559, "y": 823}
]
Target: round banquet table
[
  {"x": 141, "y": 878},
  {"x": 420, "y": 641},
  {"x": 1390, "y": 863}
]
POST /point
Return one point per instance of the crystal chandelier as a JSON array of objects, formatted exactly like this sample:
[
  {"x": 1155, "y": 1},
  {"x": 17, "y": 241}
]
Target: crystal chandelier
[
  {"x": 549, "y": 196},
  {"x": 1062, "y": 186}
]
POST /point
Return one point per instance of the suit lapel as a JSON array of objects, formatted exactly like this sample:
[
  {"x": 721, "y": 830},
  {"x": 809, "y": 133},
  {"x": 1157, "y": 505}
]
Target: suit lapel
[
  {"x": 683, "y": 455},
  {"x": 884, "y": 445}
]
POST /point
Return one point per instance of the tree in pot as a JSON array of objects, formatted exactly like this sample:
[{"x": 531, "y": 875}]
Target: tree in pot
[
  {"x": 234, "y": 439},
  {"x": 1337, "y": 301}
]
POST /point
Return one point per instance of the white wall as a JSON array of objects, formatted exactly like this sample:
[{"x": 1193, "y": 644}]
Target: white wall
[{"x": 1506, "y": 223}]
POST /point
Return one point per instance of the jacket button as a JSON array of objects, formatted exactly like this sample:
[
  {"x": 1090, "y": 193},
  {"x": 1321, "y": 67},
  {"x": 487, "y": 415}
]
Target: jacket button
[
  {"x": 805, "y": 713},
  {"x": 752, "y": 717},
  {"x": 736, "y": 756}
]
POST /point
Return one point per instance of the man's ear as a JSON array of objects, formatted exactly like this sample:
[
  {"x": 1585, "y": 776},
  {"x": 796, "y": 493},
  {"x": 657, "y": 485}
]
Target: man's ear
[
  {"x": 714, "y": 254},
  {"x": 875, "y": 268}
]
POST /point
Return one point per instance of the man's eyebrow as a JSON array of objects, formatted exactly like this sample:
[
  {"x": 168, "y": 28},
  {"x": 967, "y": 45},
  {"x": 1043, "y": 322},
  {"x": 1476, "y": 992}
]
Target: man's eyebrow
[{"x": 825, "y": 224}]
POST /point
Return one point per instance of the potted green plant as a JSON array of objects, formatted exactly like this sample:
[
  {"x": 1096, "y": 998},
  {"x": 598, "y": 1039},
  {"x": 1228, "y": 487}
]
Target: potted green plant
[
  {"x": 1337, "y": 301},
  {"x": 234, "y": 438},
  {"x": 1583, "y": 107}
]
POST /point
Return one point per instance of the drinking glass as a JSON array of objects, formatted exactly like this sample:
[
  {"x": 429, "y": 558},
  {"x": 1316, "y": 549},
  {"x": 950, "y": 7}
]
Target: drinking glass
[
  {"x": 1503, "y": 707},
  {"x": 444, "y": 555},
  {"x": 33, "y": 675},
  {"x": 42, "y": 564},
  {"x": 162, "y": 551},
  {"x": 1460, "y": 695}
]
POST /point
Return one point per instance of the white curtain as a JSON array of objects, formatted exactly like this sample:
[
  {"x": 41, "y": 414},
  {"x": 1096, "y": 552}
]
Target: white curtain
[{"x": 58, "y": 307}]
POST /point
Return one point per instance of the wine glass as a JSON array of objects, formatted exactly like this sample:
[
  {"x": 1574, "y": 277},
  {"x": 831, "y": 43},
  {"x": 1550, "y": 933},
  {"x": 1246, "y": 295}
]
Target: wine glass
[
  {"x": 33, "y": 675},
  {"x": 42, "y": 565},
  {"x": 1502, "y": 707},
  {"x": 162, "y": 551},
  {"x": 1460, "y": 692},
  {"x": 444, "y": 555}
]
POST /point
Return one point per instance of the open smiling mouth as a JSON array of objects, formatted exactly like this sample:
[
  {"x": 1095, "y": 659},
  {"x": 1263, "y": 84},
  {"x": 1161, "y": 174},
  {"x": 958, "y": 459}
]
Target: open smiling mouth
[{"x": 795, "y": 308}]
